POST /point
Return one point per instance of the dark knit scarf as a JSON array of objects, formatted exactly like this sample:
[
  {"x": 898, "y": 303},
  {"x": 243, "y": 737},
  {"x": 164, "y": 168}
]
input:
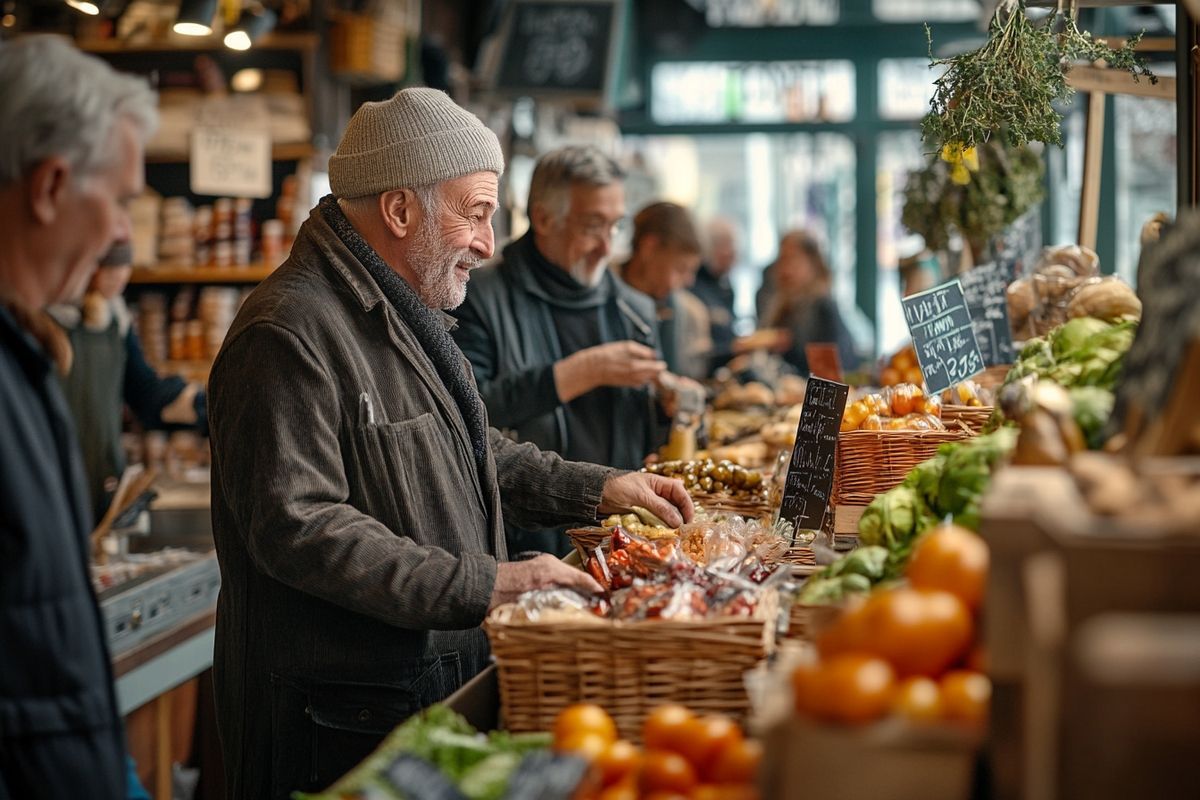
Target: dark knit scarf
[{"x": 426, "y": 324}]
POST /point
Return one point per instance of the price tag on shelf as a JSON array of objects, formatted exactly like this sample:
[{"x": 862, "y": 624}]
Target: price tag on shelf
[
  {"x": 943, "y": 336},
  {"x": 229, "y": 161},
  {"x": 809, "y": 479},
  {"x": 985, "y": 288}
]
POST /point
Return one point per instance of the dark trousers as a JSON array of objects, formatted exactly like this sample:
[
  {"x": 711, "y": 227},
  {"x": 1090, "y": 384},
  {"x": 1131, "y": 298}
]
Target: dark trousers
[{"x": 75, "y": 765}]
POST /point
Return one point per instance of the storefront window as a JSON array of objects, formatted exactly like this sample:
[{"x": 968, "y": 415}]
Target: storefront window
[
  {"x": 766, "y": 183},
  {"x": 906, "y": 87},
  {"x": 899, "y": 153},
  {"x": 926, "y": 10},
  {"x": 721, "y": 92},
  {"x": 1146, "y": 172},
  {"x": 767, "y": 13}
]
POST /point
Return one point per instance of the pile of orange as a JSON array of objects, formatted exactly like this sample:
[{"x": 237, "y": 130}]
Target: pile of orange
[
  {"x": 902, "y": 368},
  {"x": 684, "y": 755},
  {"x": 911, "y": 650}
]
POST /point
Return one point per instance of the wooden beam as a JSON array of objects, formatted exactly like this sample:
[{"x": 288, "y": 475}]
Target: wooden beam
[
  {"x": 1111, "y": 81},
  {"x": 1093, "y": 152}
]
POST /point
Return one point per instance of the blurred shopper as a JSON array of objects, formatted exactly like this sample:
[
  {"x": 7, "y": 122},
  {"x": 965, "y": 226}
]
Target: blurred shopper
[
  {"x": 564, "y": 352},
  {"x": 802, "y": 309},
  {"x": 72, "y": 134},
  {"x": 663, "y": 265},
  {"x": 109, "y": 371},
  {"x": 359, "y": 494},
  {"x": 714, "y": 289}
]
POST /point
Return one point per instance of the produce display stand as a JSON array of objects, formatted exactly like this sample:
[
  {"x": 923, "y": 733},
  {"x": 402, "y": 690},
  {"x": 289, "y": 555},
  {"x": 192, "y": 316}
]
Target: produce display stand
[{"x": 1072, "y": 687}]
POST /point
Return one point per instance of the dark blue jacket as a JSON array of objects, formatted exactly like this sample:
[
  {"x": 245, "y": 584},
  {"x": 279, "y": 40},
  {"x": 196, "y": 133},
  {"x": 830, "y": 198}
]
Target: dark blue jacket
[{"x": 60, "y": 733}]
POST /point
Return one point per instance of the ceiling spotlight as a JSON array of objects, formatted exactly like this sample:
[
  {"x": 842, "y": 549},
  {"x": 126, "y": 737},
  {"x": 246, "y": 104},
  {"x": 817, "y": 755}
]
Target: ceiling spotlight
[
  {"x": 195, "y": 17},
  {"x": 250, "y": 27},
  {"x": 90, "y": 7}
]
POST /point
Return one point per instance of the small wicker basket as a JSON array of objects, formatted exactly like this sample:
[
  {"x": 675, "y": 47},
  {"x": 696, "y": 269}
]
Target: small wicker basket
[
  {"x": 870, "y": 463},
  {"x": 974, "y": 417},
  {"x": 628, "y": 667}
]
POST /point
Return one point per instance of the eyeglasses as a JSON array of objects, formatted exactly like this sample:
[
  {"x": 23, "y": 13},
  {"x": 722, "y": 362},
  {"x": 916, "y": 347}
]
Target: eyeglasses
[{"x": 598, "y": 227}]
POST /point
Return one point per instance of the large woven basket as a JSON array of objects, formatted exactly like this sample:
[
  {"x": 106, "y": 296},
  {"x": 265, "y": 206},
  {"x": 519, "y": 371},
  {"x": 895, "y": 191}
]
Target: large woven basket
[
  {"x": 993, "y": 377},
  {"x": 756, "y": 507},
  {"x": 974, "y": 417},
  {"x": 870, "y": 463},
  {"x": 806, "y": 621},
  {"x": 628, "y": 667}
]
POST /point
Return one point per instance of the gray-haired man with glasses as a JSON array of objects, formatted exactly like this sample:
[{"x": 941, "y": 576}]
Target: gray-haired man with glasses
[{"x": 565, "y": 353}]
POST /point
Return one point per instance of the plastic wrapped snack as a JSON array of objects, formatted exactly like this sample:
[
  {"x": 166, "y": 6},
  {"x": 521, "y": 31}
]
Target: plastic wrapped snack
[{"x": 559, "y": 605}]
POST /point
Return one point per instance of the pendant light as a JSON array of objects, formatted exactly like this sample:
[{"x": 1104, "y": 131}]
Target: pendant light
[
  {"x": 195, "y": 17},
  {"x": 250, "y": 27}
]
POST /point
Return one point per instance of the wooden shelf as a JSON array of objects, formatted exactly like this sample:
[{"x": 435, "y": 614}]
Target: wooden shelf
[
  {"x": 272, "y": 41},
  {"x": 280, "y": 152},
  {"x": 1111, "y": 81},
  {"x": 253, "y": 273}
]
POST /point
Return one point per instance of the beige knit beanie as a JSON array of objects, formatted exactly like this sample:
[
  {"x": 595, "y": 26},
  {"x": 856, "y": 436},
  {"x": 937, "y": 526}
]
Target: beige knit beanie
[{"x": 418, "y": 137}]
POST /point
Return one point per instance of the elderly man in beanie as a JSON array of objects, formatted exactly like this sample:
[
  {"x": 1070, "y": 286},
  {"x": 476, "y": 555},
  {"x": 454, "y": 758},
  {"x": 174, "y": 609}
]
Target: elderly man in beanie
[
  {"x": 72, "y": 133},
  {"x": 359, "y": 496}
]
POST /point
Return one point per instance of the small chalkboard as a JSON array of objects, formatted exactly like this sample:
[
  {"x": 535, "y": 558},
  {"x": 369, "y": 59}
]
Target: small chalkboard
[
  {"x": 810, "y": 473},
  {"x": 1020, "y": 244},
  {"x": 943, "y": 336},
  {"x": 558, "y": 48},
  {"x": 985, "y": 290},
  {"x": 823, "y": 361}
]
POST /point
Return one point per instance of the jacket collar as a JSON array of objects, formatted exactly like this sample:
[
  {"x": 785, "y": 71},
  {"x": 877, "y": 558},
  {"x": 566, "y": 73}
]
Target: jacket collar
[{"x": 316, "y": 234}]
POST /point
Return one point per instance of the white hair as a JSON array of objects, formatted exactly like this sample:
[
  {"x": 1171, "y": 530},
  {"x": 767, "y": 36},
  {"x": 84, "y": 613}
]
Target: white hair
[
  {"x": 560, "y": 169},
  {"x": 57, "y": 101}
]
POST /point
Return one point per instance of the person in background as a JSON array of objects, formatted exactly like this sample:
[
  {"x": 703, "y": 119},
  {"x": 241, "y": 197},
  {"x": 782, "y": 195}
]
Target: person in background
[
  {"x": 564, "y": 352},
  {"x": 72, "y": 137},
  {"x": 663, "y": 265},
  {"x": 359, "y": 494},
  {"x": 110, "y": 371},
  {"x": 714, "y": 289},
  {"x": 802, "y": 310}
]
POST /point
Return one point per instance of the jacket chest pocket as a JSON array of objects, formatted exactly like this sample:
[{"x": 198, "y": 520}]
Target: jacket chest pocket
[{"x": 386, "y": 458}]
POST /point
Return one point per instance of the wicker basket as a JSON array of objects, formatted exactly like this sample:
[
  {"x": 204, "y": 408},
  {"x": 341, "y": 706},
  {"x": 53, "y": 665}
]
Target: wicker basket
[
  {"x": 974, "y": 417},
  {"x": 870, "y": 463},
  {"x": 993, "y": 377},
  {"x": 628, "y": 667},
  {"x": 805, "y": 621},
  {"x": 748, "y": 507}
]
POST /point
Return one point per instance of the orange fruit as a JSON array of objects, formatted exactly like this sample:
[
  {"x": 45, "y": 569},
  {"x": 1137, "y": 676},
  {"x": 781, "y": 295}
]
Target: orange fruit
[
  {"x": 725, "y": 792},
  {"x": 951, "y": 558},
  {"x": 664, "y": 771},
  {"x": 625, "y": 790},
  {"x": 588, "y": 745},
  {"x": 905, "y": 357},
  {"x": 858, "y": 687},
  {"x": 919, "y": 631},
  {"x": 977, "y": 660},
  {"x": 807, "y": 689},
  {"x": 619, "y": 760},
  {"x": 965, "y": 696},
  {"x": 848, "y": 632},
  {"x": 890, "y": 376},
  {"x": 666, "y": 727},
  {"x": 706, "y": 737},
  {"x": 737, "y": 763},
  {"x": 914, "y": 375},
  {"x": 918, "y": 700},
  {"x": 584, "y": 718}
]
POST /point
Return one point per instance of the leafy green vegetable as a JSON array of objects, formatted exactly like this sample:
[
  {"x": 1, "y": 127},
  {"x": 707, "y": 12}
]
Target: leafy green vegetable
[
  {"x": 1091, "y": 407},
  {"x": 819, "y": 591},
  {"x": 892, "y": 518},
  {"x": 856, "y": 584},
  {"x": 480, "y": 765},
  {"x": 867, "y": 562},
  {"x": 488, "y": 779},
  {"x": 1072, "y": 337},
  {"x": 968, "y": 473}
]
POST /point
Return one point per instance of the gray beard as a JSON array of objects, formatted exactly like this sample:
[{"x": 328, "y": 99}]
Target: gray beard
[
  {"x": 434, "y": 263},
  {"x": 580, "y": 274}
]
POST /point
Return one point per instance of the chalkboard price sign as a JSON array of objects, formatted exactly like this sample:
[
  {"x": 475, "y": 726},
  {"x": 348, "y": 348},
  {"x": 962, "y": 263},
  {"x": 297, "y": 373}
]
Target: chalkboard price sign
[
  {"x": 984, "y": 288},
  {"x": 810, "y": 473},
  {"x": 563, "y": 47},
  {"x": 943, "y": 336}
]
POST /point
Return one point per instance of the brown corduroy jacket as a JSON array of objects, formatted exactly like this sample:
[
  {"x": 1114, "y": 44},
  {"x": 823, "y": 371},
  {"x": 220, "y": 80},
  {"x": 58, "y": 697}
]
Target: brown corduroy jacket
[{"x": 358, "y": 543}]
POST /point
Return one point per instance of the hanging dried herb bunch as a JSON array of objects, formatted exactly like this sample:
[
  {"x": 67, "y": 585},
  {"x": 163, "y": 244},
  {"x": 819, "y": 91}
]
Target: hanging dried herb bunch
[
  {"x": 1011, "y": 82},
  {"x": 1005, "y": 182}
]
